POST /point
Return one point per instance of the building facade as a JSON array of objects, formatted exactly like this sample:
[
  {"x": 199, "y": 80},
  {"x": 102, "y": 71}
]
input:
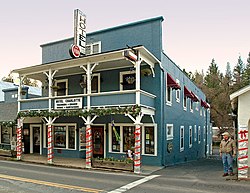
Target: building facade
[{"x": 125, "y": 94}]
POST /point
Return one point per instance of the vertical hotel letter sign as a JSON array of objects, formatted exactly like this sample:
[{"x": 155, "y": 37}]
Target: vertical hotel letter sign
[
  {"x": 243, "y": 152},
  {"x": 79, "y": 46}
]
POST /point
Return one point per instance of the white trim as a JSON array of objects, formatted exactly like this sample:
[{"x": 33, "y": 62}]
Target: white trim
[
  {"x": 182, "y": 148},
  {"x": 31, "y": 137},
  {"x": 184, "y": 104},
  {"x": 195, "y": 133},
  {"x": 171, "y": 136},
  {"x": 122, "y": 73},
  {"x": 91, "y": 45},
  {"x": 170, "y": 94},
  {"x": 199, "y": 134},
  {"x": 98, "y": 82},
  {"x": 239, "y": 92},
  {"x": 190, "y": 136},
  {"x": 191, "y": 106},
  {"x": 66, "y": 84}
]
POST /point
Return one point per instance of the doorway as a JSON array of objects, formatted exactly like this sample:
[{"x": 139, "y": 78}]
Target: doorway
[
  {"x": 98, "y": 141},
  {"x": 35, "y": 139}
]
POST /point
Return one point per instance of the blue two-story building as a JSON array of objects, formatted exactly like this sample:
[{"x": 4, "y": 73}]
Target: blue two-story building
[{"x": 125, "y": 102}]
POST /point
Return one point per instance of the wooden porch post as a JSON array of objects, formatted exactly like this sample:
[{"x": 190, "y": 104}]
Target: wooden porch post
[
  {"x": 19, "y": 138},
  {"x": 137, "y": 154}
]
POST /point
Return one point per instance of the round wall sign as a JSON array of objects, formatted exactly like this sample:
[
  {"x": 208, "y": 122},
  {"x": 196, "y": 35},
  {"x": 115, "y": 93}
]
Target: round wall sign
[{"x": 74, "y": 51}]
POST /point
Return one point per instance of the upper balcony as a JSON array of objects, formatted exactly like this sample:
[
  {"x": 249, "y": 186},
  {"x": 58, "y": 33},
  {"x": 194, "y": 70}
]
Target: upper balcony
[{"x": 99, "y": 80}]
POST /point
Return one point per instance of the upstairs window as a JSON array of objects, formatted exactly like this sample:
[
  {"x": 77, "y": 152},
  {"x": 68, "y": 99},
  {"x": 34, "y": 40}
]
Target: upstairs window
[
  {"x": 95, "y": 83},
  {"x": 127, "y": 80},
  {"x": 182, "y": 138},
  {"x": 62, "y": 87},
  {"x": 93, "y": 48},
  {"x": 169, "y": 96},
  {"x": 170, "y": 131}
]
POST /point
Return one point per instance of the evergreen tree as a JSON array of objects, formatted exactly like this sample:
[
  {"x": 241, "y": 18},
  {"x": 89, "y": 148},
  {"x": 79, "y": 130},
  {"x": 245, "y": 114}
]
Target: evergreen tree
[
  {"x": 238, "y": 75},
  {"x": 246, "y": 73}
]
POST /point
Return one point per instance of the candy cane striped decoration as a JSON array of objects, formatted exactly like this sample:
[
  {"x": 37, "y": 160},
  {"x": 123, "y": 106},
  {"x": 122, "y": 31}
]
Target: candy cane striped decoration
[
  {"x": 137, "y": 154},
  {"x": 88, "y": 147},
  {"x": 243, "y": 152},
  {"x": 19, "y": 139},
  {"x": 50, "y": 146}
]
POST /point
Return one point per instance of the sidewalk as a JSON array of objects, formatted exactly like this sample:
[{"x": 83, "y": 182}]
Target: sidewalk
[{"x": 73, "y": 163}]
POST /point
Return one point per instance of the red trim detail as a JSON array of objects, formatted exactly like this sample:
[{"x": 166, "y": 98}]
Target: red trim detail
[
  {"x": 172, "y": 83},
  {"x": 136, "y": 165},
  {"x": 243, "y": 168},
  {"x": 243, "y": 149},
  {"x": 243, "y": 140},
  {"x": 243, "y": 157}
]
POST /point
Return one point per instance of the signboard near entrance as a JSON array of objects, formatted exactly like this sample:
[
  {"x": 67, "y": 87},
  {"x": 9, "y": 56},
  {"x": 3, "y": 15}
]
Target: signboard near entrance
[
  {"x": 80, "y": 31},
  {"x": 69, "y": 103}
]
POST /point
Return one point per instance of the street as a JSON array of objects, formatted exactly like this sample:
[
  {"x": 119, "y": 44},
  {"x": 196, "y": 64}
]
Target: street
[{"x": 199, "y": 176}]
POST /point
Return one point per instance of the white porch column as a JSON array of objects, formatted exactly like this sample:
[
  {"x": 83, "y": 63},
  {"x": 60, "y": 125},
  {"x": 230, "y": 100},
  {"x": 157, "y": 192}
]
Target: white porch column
[
  {"x": 138, "y": 80},
  {"x": 19, "y": 138}
]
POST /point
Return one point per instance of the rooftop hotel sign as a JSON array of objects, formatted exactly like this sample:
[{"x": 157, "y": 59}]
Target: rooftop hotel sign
[{"x": 79, "y": 46}]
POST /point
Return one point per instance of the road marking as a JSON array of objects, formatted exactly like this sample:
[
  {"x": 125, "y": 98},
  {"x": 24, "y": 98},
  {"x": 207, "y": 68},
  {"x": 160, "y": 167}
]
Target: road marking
[
  {"x": 133, "y": 184},
  {"x": 65, "y": 186}
]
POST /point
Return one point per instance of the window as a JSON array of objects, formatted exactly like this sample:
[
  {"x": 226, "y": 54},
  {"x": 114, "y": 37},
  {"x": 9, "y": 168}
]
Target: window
[
  {"x": 6, "y": 134},
  {"x": 127, "y": 80},
  {"x": 93, "y": 48},
  {"x": 195, "y": 132},
  {"x": 128, "y": 138},
  {"x": 169, "y": 95},
  {"x": 191, "y": 106},
  {"x": 64, "y": 136},
  {"x": 170, "y": 131},
  {"x": 199, "y": 134},
  {"x": 116, "y": 140},
  {"x": 82, "y": 138},
  {"x": 185, "y": 103},
  {"x": 200, "y": 111},
  {"x": 62, "y": 87},
  {"x": 190, "y": 136},
  {"x": 95, "y": 83},
  {"x": 60, "y": 136},
  {"x": 71, "y": 130},
  {"x": 149, "y": 140},
  {"x": 178, "y": 92},
  {"x": 182, "y": 138}
]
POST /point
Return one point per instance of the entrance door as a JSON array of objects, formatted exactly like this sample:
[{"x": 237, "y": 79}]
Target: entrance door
[
  {"x": 98, "y": 141},
  {"x": 36, "y": 139},
  {"x": 26, "y": 140}
]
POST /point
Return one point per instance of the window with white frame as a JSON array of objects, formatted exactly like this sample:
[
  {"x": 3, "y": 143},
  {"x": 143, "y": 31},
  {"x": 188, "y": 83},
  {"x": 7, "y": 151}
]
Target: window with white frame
[
  {"x": 64, "y": 136},
  {"x": 197, "y": 106},
  {"x": 191, "y": 106},
  {"x": 82, "y": 138},
  {"x": 182, "y": 138},
  {"x": 204, "y": 133},
  {"x": 170, "y": 131},
  {"x": 201, "y": 111},
  {"x": 199, "y": 134},
  {"x": 62, "y": 87},
  {"x": 178, "y": 92},
  {"x": 190, "y": 136},
  {"x": 93, "y": 48},
  {"x": 122, "y": 139},
  {"x": 169, "y": 95},
  {"x": 184, "y": 103},
  {"x": 195, "y": 133},
  {"x": 6, "y": 134},
  {"x": 127, "y": 80},
  {"x": 95, "y": 83},
  {"x": 149, "y": 140}
]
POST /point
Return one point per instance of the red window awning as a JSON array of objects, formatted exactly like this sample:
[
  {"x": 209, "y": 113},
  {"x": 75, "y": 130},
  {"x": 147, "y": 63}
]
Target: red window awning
[
  {"x": 204, "y": 104},
  {"x": 187, "y": 93},
  {"x": 195, "y": 98},
  {"x": 172, "y": 83}
]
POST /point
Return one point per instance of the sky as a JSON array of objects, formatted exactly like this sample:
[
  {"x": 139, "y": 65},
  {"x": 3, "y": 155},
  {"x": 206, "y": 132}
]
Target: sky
[{"x": 194, "y": 31}]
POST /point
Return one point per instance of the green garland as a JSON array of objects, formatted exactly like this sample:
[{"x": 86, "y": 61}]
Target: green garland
[
  {"x": 8, "y": 123},
  {"x": 132, "y": 110}
]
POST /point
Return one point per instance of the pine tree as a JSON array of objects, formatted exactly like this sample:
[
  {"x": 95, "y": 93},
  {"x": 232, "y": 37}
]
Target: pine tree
[
  {"x": 238, "y": 75},
  {"x": 246, "y": 74}
]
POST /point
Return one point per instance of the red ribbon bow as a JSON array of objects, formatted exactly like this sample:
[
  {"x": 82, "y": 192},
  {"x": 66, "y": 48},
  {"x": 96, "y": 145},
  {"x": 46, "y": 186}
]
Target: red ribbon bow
[{"x": 243, "y": 134}]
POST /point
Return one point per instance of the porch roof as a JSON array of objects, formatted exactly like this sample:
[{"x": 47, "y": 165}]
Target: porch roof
[{"x": 108, "y": 60}]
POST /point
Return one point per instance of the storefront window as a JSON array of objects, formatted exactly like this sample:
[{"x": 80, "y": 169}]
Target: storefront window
[
  {"x": 149, "y": 140},
  {"x": 71, "y": 130},
  {"x": 5, "y": 135},
  {"x": 82, "y": 138},
  {"x": 60, "y": 136},
  {"x": 116, "y": 139},
  {"x": 128, "y": 138}
]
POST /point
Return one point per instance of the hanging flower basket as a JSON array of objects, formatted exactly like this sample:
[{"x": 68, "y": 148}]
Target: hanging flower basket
[
  {"x": 55, "y": 88},
  {"x": 23, "y": 92}
]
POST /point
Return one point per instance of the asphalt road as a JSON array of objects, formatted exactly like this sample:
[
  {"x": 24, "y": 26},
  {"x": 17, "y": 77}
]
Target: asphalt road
[{"x": 202, "y": 176}]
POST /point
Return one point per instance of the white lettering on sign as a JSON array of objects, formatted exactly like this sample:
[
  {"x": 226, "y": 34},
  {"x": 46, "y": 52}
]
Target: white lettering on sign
[
  {"x": 80, "y": 31},
  {"x": 70, "y": 103}
]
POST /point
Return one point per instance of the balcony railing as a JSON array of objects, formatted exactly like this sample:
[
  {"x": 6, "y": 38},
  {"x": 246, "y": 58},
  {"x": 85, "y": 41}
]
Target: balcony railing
[{"x": 103, "y": 99}]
